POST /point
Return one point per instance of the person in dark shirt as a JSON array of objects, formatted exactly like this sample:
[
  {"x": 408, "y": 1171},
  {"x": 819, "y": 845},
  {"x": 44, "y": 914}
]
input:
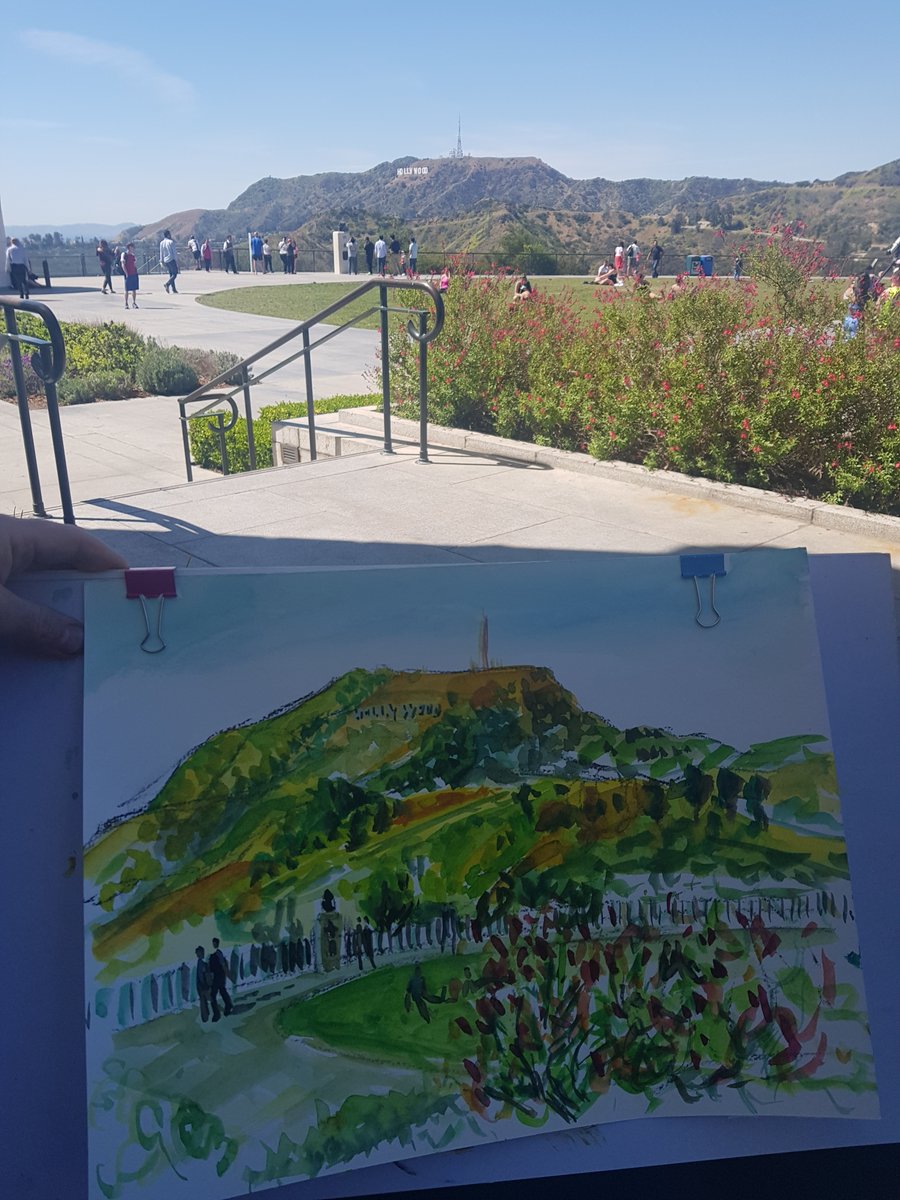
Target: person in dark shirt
[
  {"x": 369, "y": 249},
  {"x": 219, "y": 970},
  {"x": 204, "y": 987},
  {"x": 655, "y": 257}
]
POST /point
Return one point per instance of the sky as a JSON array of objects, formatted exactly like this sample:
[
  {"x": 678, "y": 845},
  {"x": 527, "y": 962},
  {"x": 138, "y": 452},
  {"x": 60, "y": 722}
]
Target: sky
[
  {"x": 623, "y": 640},
  {"x": 127, "y": 113}
]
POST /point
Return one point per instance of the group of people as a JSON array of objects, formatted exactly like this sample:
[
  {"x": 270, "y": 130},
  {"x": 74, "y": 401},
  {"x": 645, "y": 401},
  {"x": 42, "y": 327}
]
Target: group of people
[{"x": 403, "y": 262}]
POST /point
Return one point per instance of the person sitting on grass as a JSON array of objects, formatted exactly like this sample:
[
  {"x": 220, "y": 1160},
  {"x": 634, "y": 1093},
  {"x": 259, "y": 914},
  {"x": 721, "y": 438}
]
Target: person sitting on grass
[
  {"x": 523, "y": 289},
  {"x": 607, "y": 276}
]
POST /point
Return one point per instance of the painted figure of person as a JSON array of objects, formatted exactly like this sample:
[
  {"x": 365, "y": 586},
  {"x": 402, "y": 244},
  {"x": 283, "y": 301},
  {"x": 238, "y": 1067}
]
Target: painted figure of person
[
  {"x": 205, "y": 987},
  {"x": 417, "y": 993},
  {"x": 218, "y": 966}
]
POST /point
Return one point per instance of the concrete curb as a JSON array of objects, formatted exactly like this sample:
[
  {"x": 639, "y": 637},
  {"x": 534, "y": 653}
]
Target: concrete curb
[{"x": 808, "y": 512}]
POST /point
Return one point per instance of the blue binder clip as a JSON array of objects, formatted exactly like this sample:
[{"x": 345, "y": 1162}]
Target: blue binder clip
[{"x": 704, "y": 566}]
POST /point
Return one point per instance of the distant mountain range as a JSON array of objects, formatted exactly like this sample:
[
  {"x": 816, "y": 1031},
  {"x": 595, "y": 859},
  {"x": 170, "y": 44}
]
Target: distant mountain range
[
  {"x": 472, "y": 204},
  {"x": 67, "y": 231}
]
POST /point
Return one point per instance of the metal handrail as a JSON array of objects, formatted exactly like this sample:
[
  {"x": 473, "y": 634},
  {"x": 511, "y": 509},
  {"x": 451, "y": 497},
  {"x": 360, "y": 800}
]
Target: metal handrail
[
  {"x": 48, "y": 360},
  {"x": 417, "y": 332}
]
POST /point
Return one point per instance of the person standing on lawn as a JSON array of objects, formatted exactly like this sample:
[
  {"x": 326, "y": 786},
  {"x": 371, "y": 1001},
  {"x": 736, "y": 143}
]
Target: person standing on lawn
[
  {"x": 168, "y": 260},
  {"x": 128, "y": 263}
]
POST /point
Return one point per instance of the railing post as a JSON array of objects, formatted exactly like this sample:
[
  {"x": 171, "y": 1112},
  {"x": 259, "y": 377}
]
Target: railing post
[
  {"x": 248, "y": 410},
  {"x": 423, "y": 389},
  {"x": 56, "y": 435},
  {"x": 310, "y": 403},
  {"x": 385, "y": 370},
  {"x": 223, "y": 448},
  {"x": 186, "y": 442},
  {"x": 46, "y": 267},
  {"x": 34, "y": 478}
]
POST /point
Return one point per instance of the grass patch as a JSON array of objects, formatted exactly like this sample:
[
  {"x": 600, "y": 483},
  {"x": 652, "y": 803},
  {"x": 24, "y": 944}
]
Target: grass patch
[
  {"x": 298, "y": 301},
  {"x": 367, "y": 1015}
]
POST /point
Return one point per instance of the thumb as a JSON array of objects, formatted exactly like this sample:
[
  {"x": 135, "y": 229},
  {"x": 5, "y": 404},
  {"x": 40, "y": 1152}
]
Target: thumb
[{"x": 33, "y": 629}]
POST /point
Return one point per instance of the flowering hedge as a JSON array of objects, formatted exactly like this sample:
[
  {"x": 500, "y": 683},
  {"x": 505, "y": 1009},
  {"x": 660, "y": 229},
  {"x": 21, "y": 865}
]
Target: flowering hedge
[{"x": 710, "y": 379}]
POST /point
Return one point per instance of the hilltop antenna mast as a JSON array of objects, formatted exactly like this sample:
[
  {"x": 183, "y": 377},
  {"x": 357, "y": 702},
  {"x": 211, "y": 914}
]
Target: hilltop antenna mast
[{"x": 458, "y": 152}]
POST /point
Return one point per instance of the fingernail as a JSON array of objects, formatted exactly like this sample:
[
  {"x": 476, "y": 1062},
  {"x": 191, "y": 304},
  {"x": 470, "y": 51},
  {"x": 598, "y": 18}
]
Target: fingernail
[{"x": 71, "y": 639}]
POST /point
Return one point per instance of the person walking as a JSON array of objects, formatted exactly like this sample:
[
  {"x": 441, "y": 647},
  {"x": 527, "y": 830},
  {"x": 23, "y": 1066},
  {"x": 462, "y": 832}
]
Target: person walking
[
  {"x": 219, "y": 970},
  {"x": 206, "y": 254},
  {"x": 17, "y": 266},
  {"x": 204, "y": 981},
  {"x": 228, "y": 255},
  {"x": 655, "y": 256},
  {"x": 380, "y": 255},
  {"x": 168, "y": 260},
  {"x": 106, "y": 260},
  {"x": 413, "y": 254},
  {"x": 352, "y": 255},
  {"x": 128, "y": 263},
  {"x": 267, "y": 258},
  {"x": 738, "y": 266},
  {"x": 369, "y": 251}
]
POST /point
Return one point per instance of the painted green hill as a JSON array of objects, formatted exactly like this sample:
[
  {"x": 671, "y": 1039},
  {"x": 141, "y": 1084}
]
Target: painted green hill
[{"x": 485, "y": 789}]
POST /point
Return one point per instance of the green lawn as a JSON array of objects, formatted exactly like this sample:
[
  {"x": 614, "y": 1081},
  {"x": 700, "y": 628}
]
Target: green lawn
[
  {"x": 300, "y": 301},
  {"x": 367, "y": 1015}
]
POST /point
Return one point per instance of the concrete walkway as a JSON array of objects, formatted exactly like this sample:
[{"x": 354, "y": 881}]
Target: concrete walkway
[{"x": 133, "y": 445}]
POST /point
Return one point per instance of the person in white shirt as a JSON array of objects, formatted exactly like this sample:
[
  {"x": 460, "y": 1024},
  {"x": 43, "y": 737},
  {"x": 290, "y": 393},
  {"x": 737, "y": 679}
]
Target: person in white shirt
[
  {"x": 413, "y": 256},
  {"x": 194, "y": 247},
  {"x": 17, "y": 266},
  {"x": 352, "y": 255},
  {"x": 380, "y": 255},
  {"x": 168, "y": 260}
]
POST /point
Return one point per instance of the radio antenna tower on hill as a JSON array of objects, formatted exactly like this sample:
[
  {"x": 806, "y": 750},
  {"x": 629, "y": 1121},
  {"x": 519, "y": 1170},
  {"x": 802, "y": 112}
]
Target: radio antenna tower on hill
[{"x": 458, "y": 152}]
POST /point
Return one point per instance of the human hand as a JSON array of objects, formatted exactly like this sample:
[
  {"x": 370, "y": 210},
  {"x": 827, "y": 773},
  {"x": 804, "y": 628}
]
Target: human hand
[{"x": 38, "y": 545}]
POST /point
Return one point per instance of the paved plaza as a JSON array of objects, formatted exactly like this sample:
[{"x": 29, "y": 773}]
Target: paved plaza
[{"x": 470, "y": 503}]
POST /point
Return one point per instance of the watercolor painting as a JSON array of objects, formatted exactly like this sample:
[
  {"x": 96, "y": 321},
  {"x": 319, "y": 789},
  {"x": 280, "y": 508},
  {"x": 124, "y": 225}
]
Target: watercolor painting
[{"x": 383, "y": 863}]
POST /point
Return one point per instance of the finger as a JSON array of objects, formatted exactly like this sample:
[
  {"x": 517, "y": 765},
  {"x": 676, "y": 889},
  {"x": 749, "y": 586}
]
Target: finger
[
  {"x": 34, "y": 629},
  {"x": 39, "y": 545}
]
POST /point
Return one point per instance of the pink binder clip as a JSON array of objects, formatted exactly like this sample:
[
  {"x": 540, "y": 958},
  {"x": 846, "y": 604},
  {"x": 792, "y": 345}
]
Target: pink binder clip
[{"x": 149, "y": 584}]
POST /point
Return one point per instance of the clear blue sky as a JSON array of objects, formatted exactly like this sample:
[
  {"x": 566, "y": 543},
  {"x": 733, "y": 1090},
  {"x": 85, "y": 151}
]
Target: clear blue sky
[{"x": 130, "y": 112}]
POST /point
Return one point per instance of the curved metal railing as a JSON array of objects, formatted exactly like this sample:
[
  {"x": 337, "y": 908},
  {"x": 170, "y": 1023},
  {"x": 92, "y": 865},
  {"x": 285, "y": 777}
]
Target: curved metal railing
[
  {"x": 213, "y": 396},
  {"x": 48, "y": 361}
]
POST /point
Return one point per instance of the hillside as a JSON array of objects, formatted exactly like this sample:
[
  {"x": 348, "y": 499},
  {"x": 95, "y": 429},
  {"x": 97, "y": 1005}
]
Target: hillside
[
  {"x": 519, "y": 794},
  {"x": 468, "y": 204}
]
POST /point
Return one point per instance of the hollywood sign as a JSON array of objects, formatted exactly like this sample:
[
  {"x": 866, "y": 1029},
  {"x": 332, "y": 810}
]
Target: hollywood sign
[{"x": 412, "y": 170}]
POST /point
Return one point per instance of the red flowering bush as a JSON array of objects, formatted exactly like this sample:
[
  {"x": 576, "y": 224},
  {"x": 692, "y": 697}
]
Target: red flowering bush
[{"x": 712, "y": 380}]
